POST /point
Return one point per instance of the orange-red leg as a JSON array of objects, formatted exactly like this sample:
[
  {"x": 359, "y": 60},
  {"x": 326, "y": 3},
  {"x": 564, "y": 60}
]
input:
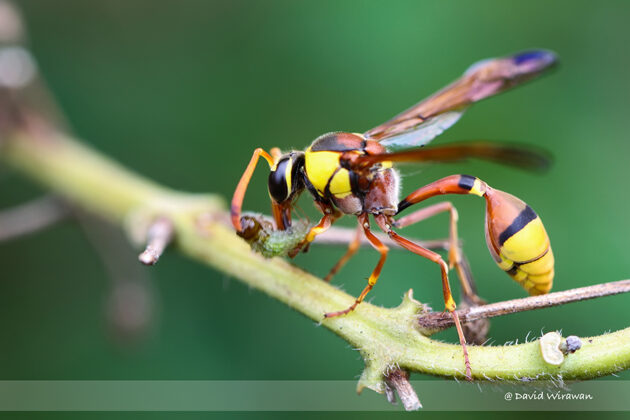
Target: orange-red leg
[
  {"x": 382, "y": 249},
  {"x": 352, "y": 249},
  {"x": 330, "y": 216},
  {"x": 449, "y": 302},
  {"x": 455, "y": 258},
  {"x": 239, "y": 193}
]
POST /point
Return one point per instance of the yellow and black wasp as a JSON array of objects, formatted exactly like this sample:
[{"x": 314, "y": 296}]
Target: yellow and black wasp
[{"x": 352, "y": 173}]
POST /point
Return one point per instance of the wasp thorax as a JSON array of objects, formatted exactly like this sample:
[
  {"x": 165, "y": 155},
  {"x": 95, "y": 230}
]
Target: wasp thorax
[
  {"x": 285, "y": 177},
  {"x": 518, "y": 241}
]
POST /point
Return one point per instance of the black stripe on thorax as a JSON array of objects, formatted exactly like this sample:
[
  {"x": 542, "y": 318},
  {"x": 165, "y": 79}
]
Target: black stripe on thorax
[
  {"x": 312, "y": 189},
  {"x": 327, "y": 193},
  {"x": 524, "y": 217}
]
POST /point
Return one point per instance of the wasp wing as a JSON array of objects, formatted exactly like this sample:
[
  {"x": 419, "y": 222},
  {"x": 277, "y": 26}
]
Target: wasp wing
[
  {"x": 427, "y": 119},
  {"x": 524, "y": 157},
  {"x": 424, "y": 131}
]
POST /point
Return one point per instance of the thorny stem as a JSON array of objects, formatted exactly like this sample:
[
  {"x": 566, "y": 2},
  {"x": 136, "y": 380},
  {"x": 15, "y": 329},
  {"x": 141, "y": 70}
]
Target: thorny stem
[{"x": 385, "y": 337}]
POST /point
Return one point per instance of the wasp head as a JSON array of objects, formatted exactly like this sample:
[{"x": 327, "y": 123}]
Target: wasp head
[{"x": 285, "y": 183}]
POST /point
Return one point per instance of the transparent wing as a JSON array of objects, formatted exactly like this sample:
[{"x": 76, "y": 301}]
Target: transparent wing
[
  {"x": 427, "y": 119},
  {"x": 424, "y": 133}
]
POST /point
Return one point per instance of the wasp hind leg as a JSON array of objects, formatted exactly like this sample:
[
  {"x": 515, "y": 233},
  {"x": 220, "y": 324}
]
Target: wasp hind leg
[
  {"x": 385, "y": 224},
  {"x": 456, "y": 257},
  {"x": 364, "y": 223},
  {"x": 476, "y": 331}
]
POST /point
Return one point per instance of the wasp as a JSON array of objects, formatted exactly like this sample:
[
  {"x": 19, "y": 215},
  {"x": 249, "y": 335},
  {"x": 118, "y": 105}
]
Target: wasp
[{"x": 352, "y": 173}]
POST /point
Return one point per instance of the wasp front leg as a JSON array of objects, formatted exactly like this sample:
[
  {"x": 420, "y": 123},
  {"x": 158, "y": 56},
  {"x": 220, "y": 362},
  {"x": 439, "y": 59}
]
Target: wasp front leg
[{"x": 331, "y": 214}]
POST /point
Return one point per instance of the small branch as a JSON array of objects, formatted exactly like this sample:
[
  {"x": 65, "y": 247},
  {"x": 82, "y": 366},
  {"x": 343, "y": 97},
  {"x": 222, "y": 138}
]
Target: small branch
[
  {"x": 437, "y": 321},
  {"x": 399, "y": 380},
  {"x": 159, "y": 235},
  {"x": 31, "y": 217}
]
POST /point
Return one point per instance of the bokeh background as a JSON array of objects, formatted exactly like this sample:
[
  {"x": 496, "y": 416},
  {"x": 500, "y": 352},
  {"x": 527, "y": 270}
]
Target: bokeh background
[{"x": 183, "y": 91}]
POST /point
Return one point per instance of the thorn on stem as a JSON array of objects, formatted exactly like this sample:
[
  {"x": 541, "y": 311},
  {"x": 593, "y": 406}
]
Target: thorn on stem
[
  {"x": 159, "y": 235},
  {"x": 398, "y": 379}
]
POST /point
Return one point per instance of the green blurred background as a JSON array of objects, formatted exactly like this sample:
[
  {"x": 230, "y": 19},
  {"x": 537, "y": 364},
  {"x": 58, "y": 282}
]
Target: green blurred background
[{"x": 183, "y": 91}]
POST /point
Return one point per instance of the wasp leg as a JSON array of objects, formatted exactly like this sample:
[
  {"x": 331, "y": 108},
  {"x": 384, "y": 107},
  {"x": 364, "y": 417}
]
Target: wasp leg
[
  {"x": 476, "y": 332},
  {"x": 385, "y": 224},
  {"x": 352, "y": 249},
  {"x": 239, "y": 193},
  {"x": 455, "y": 252},
  {"x": 330, "y": 216},
  {"x": 364, "y": 222}
]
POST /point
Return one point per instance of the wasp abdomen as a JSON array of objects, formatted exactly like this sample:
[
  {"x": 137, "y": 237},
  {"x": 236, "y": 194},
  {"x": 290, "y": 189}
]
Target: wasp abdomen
[
  {"x": 519, "y": 242},
  {"x": 515, "y": 234}
]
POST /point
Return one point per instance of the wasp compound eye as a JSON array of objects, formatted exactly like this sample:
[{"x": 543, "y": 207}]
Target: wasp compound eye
[
  {"x": 284, "y": 178},
  {"x": 518, "y": 242},
  {"x": 280, "y": 180}
]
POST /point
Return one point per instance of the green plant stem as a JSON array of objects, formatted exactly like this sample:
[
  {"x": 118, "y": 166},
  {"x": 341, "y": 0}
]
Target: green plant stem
[{"x": 386, "y": 338}]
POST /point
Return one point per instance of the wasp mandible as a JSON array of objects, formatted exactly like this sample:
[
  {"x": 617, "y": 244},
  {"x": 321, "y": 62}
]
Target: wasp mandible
[{"x": 352, "y": 173}]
